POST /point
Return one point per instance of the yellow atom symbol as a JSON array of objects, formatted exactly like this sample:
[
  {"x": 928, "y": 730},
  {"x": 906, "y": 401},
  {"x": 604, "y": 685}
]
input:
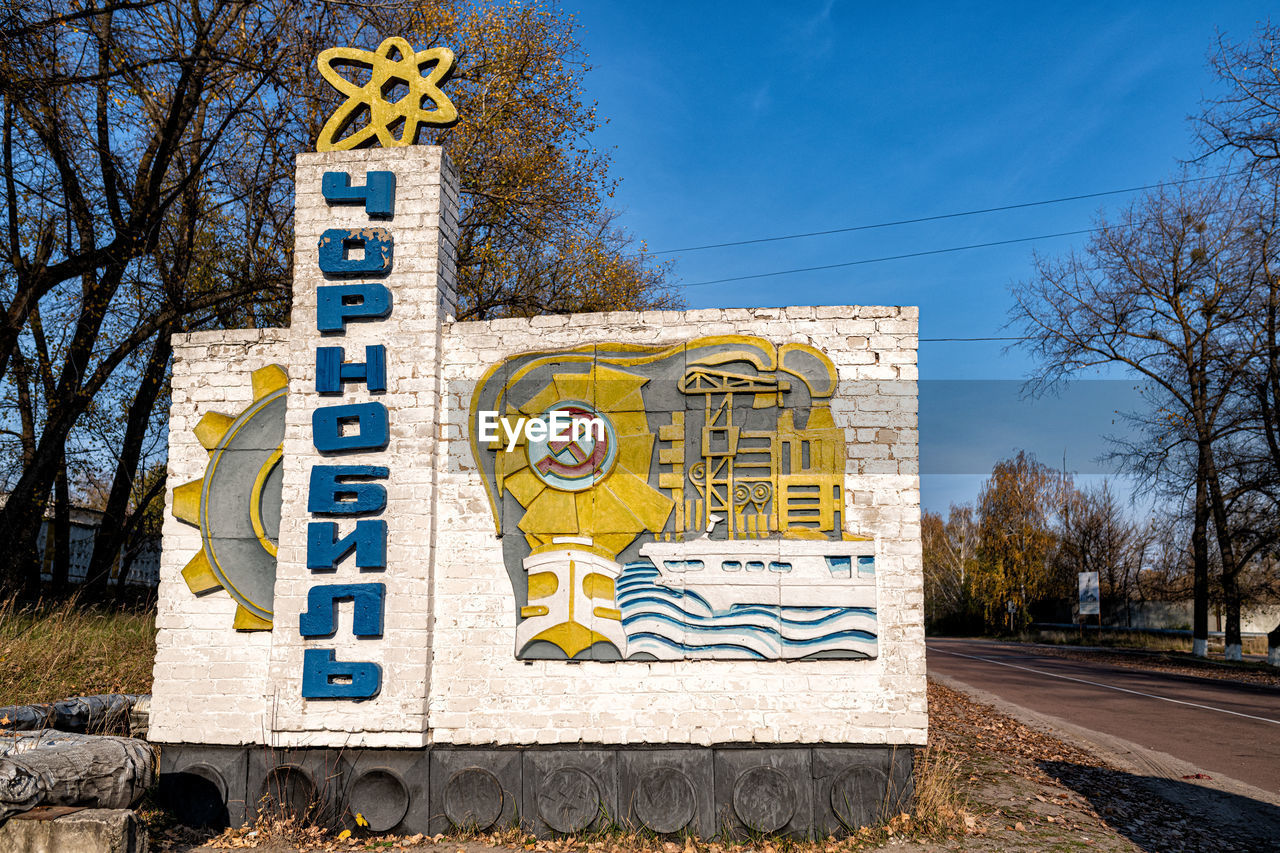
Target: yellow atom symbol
[{"x": 393, "y": 66}]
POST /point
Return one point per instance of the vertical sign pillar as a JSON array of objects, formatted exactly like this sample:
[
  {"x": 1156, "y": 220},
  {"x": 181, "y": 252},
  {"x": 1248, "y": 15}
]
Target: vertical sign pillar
[{"x": 373, "y": 283}]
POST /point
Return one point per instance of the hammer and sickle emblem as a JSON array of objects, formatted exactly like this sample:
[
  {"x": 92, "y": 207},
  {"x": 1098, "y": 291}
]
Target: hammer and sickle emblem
[{"x": 582, "y": 460}]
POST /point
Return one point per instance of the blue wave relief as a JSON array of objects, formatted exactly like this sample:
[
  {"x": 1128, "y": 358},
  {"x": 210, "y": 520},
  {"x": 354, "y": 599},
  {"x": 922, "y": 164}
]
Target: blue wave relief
[{"x": 662, "y": 623}]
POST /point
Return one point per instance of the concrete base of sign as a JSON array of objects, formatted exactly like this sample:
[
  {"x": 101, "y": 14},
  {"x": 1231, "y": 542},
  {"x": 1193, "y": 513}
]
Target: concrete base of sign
[
  {"x": 205, "y": 785},
  {"x": 729, "y": 790}
]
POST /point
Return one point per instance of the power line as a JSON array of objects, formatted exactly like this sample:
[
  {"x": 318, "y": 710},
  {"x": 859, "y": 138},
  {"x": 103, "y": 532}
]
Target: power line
[
  {"x": 972, "y": 340},
  {"x": 862, "y": 261},
  {"x": 940, "y": 216}
]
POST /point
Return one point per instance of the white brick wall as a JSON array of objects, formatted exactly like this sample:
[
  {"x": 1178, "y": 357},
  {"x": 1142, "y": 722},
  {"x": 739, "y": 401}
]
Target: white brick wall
[
  {"x": 481, "y": 694},
  {"x": 447, "y": 654},
  {"x": 210, "y": 681},
  {"x": 411, "y": 334}
]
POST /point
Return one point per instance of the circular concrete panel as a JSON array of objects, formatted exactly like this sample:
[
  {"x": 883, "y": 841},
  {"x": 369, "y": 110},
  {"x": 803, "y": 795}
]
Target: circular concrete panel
[
  {"x": 288, "y": 790},
  {"x": 856, "y": 796},
  {"x": 665, "y": 800},
  {"x": 198, "y": 796},
  {"x": 569, "y": 799},
  {"x": 764, "y": 799},
  {"x": 473, "y": 799},
  {"x": 380, "y": 797}
]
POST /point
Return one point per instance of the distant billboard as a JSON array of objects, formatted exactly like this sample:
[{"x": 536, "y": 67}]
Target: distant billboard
[{"x": 1089, "y": 597}]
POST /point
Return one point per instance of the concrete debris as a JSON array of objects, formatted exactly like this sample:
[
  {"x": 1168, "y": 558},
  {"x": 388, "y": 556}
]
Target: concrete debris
[{"x": 80, "y": 831}]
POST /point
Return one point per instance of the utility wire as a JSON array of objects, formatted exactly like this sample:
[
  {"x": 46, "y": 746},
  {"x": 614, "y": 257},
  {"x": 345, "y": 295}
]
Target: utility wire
[
  {"x": 890, "y": 258},
  {"x": 972, "y": 340},
  {"x": 941, "y": 216}
]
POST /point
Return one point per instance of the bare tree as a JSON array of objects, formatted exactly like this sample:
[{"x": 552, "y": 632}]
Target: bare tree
[
  {"x": 1243, "y": 125},
  {"x": 1163, "y": 292},
  {"x": 146, "y": 169},
  {"x": 125, "y": 127},
  {"x": 1241, "y": 122},
  {"x": 1096, "y": 536}
]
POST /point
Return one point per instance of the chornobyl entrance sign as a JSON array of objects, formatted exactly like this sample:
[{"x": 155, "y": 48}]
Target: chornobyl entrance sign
[{"x": 655, "y": 567}]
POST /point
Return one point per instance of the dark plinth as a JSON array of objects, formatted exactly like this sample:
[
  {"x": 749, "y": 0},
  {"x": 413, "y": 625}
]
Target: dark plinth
[
  {"x": 388, "y": 790},
  {"x": 569, "y": 790},
  {"x": 764, "y": 791},
  {"x": 668, "y": 789},
  {"x": 476, "y": 789},
  {"x": 205, "y": 785}
]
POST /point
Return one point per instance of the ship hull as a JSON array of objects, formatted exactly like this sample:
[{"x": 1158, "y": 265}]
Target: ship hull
[{"x": 771, "y": 572}]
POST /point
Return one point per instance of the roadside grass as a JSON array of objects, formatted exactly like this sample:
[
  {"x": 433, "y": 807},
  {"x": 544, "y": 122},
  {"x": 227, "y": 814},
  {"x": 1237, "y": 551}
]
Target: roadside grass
[
  {"x": 941, "y": 808},
  {"x": 51, "y": 651},
  {"x": 1144, "y": 642}
]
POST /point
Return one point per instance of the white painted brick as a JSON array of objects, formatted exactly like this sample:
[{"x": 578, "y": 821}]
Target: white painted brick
[{"x": 447, "y": 653}]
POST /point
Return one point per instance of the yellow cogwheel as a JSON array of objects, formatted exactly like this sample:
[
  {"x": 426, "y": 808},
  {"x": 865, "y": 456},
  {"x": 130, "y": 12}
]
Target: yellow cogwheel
[{"x": 236, "y": 504}]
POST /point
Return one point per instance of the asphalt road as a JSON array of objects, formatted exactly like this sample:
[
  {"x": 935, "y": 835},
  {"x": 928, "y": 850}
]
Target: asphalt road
[{"x": 1221, "y": 726}]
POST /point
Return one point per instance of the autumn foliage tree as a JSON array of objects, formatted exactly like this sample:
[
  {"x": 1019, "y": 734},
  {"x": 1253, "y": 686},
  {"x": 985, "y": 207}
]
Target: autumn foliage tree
[
  {"x": 1016, "y": 511},
  {"x": 536, "y": 234},
  {"x": 1031, "y": 533},
  {"x": 148, "y": 152}
]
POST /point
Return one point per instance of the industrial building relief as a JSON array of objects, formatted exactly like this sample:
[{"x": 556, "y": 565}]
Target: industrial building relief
[{"x": 679, "y": 502}]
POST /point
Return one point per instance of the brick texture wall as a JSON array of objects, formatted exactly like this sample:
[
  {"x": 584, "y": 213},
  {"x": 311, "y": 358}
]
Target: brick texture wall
[
  {"x": 447, "y": 656},
  {"x": 481, "y": 694}
]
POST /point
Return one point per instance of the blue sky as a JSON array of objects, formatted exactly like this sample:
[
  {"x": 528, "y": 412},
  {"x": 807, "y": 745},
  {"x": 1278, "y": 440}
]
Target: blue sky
[{"x": 737, "y": 120}]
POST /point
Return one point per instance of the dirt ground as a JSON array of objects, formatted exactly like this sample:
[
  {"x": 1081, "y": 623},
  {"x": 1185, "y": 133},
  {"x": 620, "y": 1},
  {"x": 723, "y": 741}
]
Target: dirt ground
[{"x": 991, "y": 784}]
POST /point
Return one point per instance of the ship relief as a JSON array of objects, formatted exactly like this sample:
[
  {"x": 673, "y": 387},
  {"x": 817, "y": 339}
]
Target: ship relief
[{"x": 676, "y": 502}]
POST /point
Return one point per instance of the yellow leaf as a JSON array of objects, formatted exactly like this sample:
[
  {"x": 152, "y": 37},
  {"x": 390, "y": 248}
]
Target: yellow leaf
[
  {"x": 346, "y": 833},
  {"x": 360, "y": 821}
]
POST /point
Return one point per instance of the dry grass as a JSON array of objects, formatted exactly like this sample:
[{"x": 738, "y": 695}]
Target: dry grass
[
  {"x": 1149, "y": 642},
  {"x": 940, "y": 808},
  {"x": 50, "y": 652}
]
